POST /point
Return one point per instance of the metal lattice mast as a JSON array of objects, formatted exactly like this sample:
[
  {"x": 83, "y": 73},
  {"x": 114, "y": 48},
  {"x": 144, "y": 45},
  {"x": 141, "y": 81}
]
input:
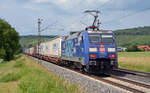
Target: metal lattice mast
[{"x": 39, "y": 29}]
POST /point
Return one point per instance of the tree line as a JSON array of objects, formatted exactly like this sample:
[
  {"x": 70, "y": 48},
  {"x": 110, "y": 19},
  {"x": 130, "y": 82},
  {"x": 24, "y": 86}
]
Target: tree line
[
  {"x": 9, "y": 41},
  {"x": 134, "y": 31}
]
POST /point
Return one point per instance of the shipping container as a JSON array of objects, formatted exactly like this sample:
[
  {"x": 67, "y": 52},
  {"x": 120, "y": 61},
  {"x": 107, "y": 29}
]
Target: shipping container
[
  {"x": 55, "y": 47},
  {"x": 31, "y": 50},
  {"x": 51, "y": 48},
  {"x": 46, "y": 48},
  {"x": 26, "y": 51},
  {"x": 41, "y": 48}
]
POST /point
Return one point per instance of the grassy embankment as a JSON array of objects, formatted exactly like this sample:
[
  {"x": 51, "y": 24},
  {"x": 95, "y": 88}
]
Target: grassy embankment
[
  {"x": 139, "y": 61},
  {"x": 24, "y": 76}
]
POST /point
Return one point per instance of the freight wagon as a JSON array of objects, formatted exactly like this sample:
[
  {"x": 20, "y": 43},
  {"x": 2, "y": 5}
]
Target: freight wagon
[
  {"x": 50, "y": 50},
  {"x": 30, "y": 51}
]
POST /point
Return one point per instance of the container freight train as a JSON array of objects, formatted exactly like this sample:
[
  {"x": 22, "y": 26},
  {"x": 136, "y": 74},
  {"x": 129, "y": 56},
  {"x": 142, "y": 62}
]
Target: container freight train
[
  {"x": 91, "y": 50},
  {"x": 88, "y": 50}
]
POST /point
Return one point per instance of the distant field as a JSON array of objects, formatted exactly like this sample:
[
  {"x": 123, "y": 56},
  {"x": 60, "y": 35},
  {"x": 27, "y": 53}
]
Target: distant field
[
  {"x": 135, "y": 60},
  {"x": 24, "y": 76}
]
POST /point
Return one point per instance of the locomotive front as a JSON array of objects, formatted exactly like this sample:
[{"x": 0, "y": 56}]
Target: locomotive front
[{"x": 102, "y": 52}]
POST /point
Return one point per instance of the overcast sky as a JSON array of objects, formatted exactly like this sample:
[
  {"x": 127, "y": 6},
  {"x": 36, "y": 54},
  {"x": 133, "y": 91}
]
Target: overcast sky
[{"x": 62, "y": 16}]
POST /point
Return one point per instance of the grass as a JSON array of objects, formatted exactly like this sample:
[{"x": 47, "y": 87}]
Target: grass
[
  {"x": 139, "y": 61},
  {"x": 22, "y": 75},
  {"x": 10, "y": 77}
]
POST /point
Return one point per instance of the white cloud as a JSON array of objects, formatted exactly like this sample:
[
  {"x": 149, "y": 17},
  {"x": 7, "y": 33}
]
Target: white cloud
[
  {"x": 59, "y": 1},
  {"x": 31, "y": 7},
  {"x": 69, "y": 2},
  {"x": 70, "y": 6},
  {"x": 65, "y": 1},
  {"x": 41, "y": 1},
  {"x": 50, "y": 1},
  {"x": 23, "y": 12},
  {"x": 103, "y": 0}
]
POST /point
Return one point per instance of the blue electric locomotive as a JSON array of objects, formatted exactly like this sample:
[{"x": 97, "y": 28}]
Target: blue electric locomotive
[{"x": 91, "y": 51}]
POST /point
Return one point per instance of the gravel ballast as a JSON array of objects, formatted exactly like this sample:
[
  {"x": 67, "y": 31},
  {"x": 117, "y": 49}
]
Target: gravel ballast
[{"x": 88, "y": 84}]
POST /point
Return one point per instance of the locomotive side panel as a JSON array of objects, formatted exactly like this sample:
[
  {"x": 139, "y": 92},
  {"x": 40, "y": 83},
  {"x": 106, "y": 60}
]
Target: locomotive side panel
[{"x": 73, "y": 48}]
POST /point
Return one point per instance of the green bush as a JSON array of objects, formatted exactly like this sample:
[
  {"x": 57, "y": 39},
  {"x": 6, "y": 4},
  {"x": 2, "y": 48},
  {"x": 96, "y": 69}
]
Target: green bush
[{"x": 133, "y": 48}]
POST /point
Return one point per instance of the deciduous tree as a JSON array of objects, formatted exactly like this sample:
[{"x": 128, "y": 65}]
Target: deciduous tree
[{"x": 9, "y": 41}]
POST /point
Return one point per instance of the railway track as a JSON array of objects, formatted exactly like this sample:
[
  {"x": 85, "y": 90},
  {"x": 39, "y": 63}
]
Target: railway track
[
  {"x": 132, "y": 82},
  {"x": 128, "y": 85},
  {"x": 109, "y": 81},
  {"x": 133, "y": 72},
  {"x": 131, "y": 86},
  {"x": 122, "y": 83}
]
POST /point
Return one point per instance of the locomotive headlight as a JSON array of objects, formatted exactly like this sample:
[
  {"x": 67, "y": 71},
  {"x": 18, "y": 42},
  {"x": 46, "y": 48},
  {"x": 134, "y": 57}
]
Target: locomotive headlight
[
  {"x": 92, "y": 49},
  {"x": 111, "y": 49}
]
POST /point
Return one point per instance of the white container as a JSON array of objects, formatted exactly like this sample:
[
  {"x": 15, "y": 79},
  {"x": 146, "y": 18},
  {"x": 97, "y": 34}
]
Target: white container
[
  {"x": 41, "y": 49},
  {"x": 50, "y": 48},
  {"x": 46, "y": 49},
  {"x": 31, "y": 50},
  {"x": 55, "y": 47},
  {"x": 36, "y": 49},
  {"x": 26, "y": 51}
]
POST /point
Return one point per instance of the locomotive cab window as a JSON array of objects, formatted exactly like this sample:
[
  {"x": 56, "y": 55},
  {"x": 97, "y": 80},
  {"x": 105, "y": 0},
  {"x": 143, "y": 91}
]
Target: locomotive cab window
[
  {"x": 107, "y": 39},
  {"x": 94, "y": 38},
  {"x": 100, "y": 38}
]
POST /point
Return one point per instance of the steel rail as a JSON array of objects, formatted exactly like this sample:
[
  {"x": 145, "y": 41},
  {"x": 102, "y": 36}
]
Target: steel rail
[
  {"x": 133, "y": 72},
  {"x": 132, "y": 82}
]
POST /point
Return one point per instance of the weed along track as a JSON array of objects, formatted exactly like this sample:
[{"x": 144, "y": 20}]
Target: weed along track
[
  {"x": 22, "y": 75},
  {"x": 97, "y": 83}
]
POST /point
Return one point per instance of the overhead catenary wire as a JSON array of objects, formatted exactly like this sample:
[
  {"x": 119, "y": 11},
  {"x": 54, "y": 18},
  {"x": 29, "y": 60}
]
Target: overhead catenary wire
[
  {"x": 134, "y": 13},
  {"x": 62, "y": 29},
  {"x": 82, "y": 17},
  {"x": 86, "y": 14},
  {"x": 83, "y": 23},
  {"x": 48, "y": 26},
  {"x": 123, "y": 17},
  {"x": 104, "y": 4},
  {"x": 69, "y": 25},
  {"x": 128, "y": 15}
]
